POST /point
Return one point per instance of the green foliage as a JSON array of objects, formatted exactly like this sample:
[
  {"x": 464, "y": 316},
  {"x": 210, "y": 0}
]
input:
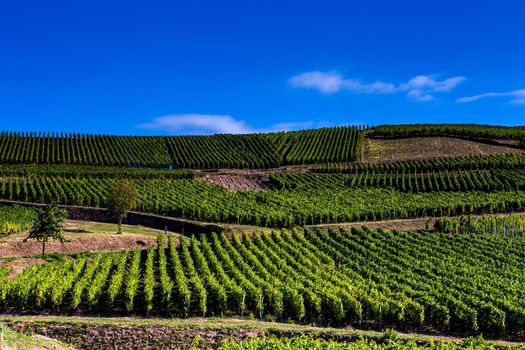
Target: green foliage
[
  {"x": 222, "y": 151},
  {"x": 14, "y": 219},
  {"x": 165, "y": 283},
  {"x": 339, "y": 144},
  {"x": 91, "y": 171},
  {"x": 389, "y": 341},
  {"x": 114, "y": 291},
  {"x": 401, "y": 280},
  {"x": 210, "y": 152},
  {"x": 121, "y": 198},
  {"x": 49, "y": 223},
  {"x": 273, "y": 208},
  {"x": 148, "y": 282},
  {"x": 132, "y": 282},
  {"x": 465, "y": 130},
  {"x": 506, "y": 226}
]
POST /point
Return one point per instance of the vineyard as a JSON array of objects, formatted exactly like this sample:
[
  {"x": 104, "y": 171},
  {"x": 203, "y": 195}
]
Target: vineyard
[
  {"x": 15, "y": 219},
  {"x": 458, "y": 272},
  {"x": 360, "y": 277},
  {"x": 466, "y": 130},
  {"x": 341, "y": 144},
  {"x": 253, "y": 151},
  {"x": 508, "y": 226},
  {"x": 330, "y": 201},
  {"x": 97, "y": 172},
  {"x": 310, "y": 343},
  {"x": 484, "y": 162}
]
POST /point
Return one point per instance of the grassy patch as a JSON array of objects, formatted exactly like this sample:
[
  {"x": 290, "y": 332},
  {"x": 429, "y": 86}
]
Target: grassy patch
[{"x": 11, "y": 340}]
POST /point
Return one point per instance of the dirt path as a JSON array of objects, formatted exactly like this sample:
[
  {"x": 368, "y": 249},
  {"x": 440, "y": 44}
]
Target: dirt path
[{"x": 401, "y": 224}]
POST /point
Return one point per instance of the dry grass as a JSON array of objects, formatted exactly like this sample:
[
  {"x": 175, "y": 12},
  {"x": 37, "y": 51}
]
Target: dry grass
[{"x": 377, "y": 150}]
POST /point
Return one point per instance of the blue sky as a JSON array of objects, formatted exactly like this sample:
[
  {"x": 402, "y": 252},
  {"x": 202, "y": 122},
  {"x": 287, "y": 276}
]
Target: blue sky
[{"x": 178, "y": 67}]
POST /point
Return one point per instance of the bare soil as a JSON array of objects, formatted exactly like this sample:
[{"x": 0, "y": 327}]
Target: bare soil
[
  {"x": 78, "y": 243},
  {"x": 377, "y": 150},
  {"x": 232, "y": 182}
]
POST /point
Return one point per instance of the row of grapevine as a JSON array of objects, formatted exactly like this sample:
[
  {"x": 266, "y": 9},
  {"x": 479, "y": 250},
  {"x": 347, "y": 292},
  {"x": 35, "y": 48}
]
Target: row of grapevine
[
  {"x": 57, "y": 148},
  {"x": 466, "y": 130},
  {"x": 359, "y": 277},
  {"x": 385, "y": 343},
  {"x": 146, "y": 150},
  {"x": 338, "y": 144},
  {"x": 458, "y": 181},
  {"x": 104, "y": 172},
  {"x": 15, "y": 219},
  {"x": 222, "y": 151},
  {"x": 506, "y": 226},
  {"x": 473, "y": 162},
  {"x": 302, "y": 205},
  {"x": 215, "y": 151}
]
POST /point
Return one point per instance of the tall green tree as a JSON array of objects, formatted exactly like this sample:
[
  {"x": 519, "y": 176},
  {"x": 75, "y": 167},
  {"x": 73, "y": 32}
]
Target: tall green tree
[
  {"x": 49, "y": 223},
  {"x": 122, "y": 198}
]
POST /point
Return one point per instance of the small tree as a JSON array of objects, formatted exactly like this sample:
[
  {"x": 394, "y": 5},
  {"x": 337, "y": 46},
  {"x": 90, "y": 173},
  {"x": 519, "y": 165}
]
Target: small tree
[
  {"x": 49, "y": 223},
  {"x": 122, "y": 198}
]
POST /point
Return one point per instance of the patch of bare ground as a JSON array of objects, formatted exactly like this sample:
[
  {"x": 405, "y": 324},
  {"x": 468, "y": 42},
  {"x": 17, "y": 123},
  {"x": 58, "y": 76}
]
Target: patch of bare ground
[
  {"x": 82, "y": 236},
  {"x": 239, "y": 181},
  {"x": 377, "y": 150},
  {"x": 78, "y": 243}
]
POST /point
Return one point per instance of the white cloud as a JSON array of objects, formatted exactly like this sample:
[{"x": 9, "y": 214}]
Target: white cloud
[
  {"x": 327, "y": 83},
  {"x": 206, "y": 124},
  {"x": 518, "y": 97},
  {"x": 419, "y": 88},
  {"x": 199, "y": 123}
]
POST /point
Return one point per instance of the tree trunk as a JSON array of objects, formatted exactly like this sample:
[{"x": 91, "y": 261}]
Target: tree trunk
[
  {"x": 119, "y": 224},
  {"x": 43, "y": 248}
]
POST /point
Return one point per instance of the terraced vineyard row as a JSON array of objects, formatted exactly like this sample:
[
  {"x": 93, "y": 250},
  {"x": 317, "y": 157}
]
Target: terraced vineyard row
[
  {"x": 458, "y": 181},
  {"x": 365, "y": 278},
  {"x": 309, "y": 343},
  {"x": 92, "y": 171},
  {"x": 195, "y": 199},
  {"x": 467, "y": 130},
  {"x": 54, "y": 148},
  {"x": 223, "y": 151},
  {"x": 340, "y": 144},
  {"x": 210, "y": 152},
  {"x": 481, "y": 162},
  {"x": 507, "y": 226}
]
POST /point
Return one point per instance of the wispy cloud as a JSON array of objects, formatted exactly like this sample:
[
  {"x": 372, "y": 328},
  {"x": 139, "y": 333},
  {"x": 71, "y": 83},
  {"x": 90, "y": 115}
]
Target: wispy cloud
[
  {"x": 517, "y": 97},
  {"x": 419, "y": 88},
  {"x": 199, "y": 123},
  {"x": 206, "y": 124}
]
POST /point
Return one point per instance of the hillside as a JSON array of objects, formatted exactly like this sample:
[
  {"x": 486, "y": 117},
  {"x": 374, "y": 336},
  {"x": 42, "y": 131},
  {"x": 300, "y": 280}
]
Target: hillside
[{"x": 291, "y": 242}]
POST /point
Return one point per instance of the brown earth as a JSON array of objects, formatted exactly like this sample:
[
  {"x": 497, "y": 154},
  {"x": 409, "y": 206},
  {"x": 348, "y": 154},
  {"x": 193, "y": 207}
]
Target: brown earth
[
  {"x": 234, "y": 182},
  {"x": 86, "y": 242},
  {"x": 377, "y": 150}
]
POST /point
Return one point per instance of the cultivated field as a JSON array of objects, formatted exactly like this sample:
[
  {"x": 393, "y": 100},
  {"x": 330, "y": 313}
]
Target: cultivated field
[{"x": 335, "y": 233}]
